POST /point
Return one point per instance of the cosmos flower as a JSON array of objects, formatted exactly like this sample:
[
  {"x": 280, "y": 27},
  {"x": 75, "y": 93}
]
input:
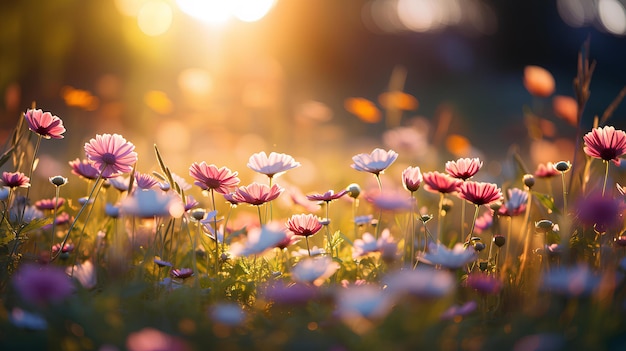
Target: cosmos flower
[
  {"x": 49, "y": 204},
  {"x": 602, "y": 212},
  {"x": 376, "y": 162},
  {"x": 515, "y": 204},
  {"x": 479, "y": 193},
  {"x": 390, "y": 201},
  {"x": 423, "y": 282},
  {"x": 290, "y": 239},
  {"x": 304, "y": 224},
  {"x": 314, "y": 270},
  {"x": 483, "y": 283},
  {"x": 181, "y": 273},
  {"x": 257, "y": 194},
  {"x": 605, "y": 143},
  {"x": 436, "y": 182},
  {"x": 44, "y": 124},
  {"x": 412, "y": 178},
  {"x": 14, "y": 180},
  {"x": 84, "y": 169},
  {"x": 260, "y": 240},
  {"x": 209, "y": 177},
  {"x": 368, "y": 244},
  {"x": 440, "y": 255},
  {"x": 463, "y": 168},
  {"x": 546, "y": 170},
  {"x": 328, "y": 196},
  {"x": 363, "y": 220},
  {"x": 483, "y": 222},
  {"x": 151, "y": 203},
  {"x": 111, "y": 155},
  {"x": 273, "y": 165},
  {"x": 571, "y": 281},
  {"x": 85, "y": 273},
  {"x": 28, "y": 214},
  {"x": 38, "y": 284},
  {"x": 145, "y": 181}
]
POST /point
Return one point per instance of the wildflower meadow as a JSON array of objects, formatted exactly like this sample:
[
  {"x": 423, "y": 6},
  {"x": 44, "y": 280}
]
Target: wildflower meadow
[{"x": 121, "y": 251}]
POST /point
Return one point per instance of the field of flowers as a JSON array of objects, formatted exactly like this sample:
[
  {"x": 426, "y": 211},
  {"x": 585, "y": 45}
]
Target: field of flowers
[{"x": 403, "y": 258}]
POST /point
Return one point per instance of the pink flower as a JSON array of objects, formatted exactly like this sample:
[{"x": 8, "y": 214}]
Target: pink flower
[
  {"x": 327, "y": 196},
  {"x": 145, "y": 181},
  {"x": 289, "y": 240},
  {"x": 273, "y": 165},
  {"x": 42, "y": 284},
  {"x": 605, "y": 143},
  {"x": 49, "y": 204},
  {"x": 484, "y": 283},
  {"x": 83, "y": 169},
  {"x": 516, "y": 204},
  {"x": 412, "y": 178},
  {"x": 111, "y": 155},
  {"x": 257, "y": 194},
  {"x": 209, "y": 177},
  {"x": 463, "y": 168},
  {"x": 304, "y": 224},
  {"x": 440, "y": 182},
  {"x": 375, "y": 162},
  {"x": 368, "y": 244},
  {"x": 314, "y": 270},
  {"x": 44, "y": 124},
  {"x": 484, "y": 222},
  {"x": 14, "y": 180},
  {"x": 390, "y": 201},
  {"x": 546, "y": 170},
  {"x": 479, "y": 193}
]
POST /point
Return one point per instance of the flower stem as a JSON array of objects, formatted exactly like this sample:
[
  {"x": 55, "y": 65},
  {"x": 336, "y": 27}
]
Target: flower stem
[
  {"x": 469, "y": 236},
  {"x": 439, "y": 218},
  {"x": 606, "y": 176},
  {"x": 380, "y": 211},
  {"x": 54, "y": 217}
]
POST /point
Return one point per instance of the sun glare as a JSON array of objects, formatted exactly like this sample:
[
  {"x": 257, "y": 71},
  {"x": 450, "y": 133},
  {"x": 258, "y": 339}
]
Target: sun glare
[{"x": 218, "y": 12}]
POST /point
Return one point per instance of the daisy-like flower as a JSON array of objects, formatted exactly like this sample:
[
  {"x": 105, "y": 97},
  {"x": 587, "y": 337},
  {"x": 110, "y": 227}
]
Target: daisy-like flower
[
  {"x": 375, "y": 162},
  {"x": 479, "y": 193},
  {"x": 14, "y": 180},
  {"x": 273, "y": 165},
  {"x": 314, "y": 270},
  {"x": 572, "y": 281},
  {"x": 423, "y": 282},
  {"x": 390, "y": 201},
  {"x": 439, "y": 254},
  {"x": 44, "y": 124},
  {"x": 181, "y": 273},
  {"x": 304, "y": 224},
  {"x": 436, "y": 182},
  {"x": 111, "y": 155},
  {"x": 546, "y": 170},
  {"x": 369, "y": 244},
  {"x": 152, "y": 203},
  {"x": 209, "y": 177},
  {"x": 516, "y": 204},
  {"x": 260, "y": 240},
  {"x": 49, "y": 204},
  {"x": 605, "y": 143},
  {"x": 464, "y": 168},
  {"x": 257, "y": 194},
  {"x": 328, "y": 196},
  {"x": 412, "y": 178},
  {"x": 484, "y": 283},
  {"x": 83, "y": 169},
  {"x": 145, "y": 181},
  {"x": 483, "y": 222}
]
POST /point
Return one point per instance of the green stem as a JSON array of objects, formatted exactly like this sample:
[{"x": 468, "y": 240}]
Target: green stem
[
  {"x": 54, "y": 217},
  {"x": 564, "y": 194},
  {"x": 469, "y": 236},
  {"x": 439, "y": 218},
  {"x": 606, "y": 176}
]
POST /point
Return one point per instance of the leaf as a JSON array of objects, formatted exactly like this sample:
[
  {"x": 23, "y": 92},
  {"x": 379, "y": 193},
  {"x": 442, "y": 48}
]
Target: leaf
[
  {"x": 546, "y": 201},
  {"x": 35, "y": 224}
]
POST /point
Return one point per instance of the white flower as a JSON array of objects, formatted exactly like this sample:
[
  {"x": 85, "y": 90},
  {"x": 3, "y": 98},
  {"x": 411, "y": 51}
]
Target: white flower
[
  {"x": 314, "y": 270},
  {"x": 439, "y": 255},
  {"x": 85, "y": 273},
  {"x": 260, "y": 239}
]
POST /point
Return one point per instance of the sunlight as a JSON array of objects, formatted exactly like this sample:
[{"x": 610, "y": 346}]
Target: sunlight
[{"x": 217, "y": 12}]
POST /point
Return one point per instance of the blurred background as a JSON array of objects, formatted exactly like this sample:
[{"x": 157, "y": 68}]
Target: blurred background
[{"x": 217, "y": 80}]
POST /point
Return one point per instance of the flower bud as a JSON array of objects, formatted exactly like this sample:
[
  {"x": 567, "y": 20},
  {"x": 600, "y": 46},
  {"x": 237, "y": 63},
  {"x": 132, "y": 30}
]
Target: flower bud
[
  {"x": 198, "y": 214},
  {"x": 499, "y": 240},
  {"x": 354, "y": 190},
  {"x": 563, "y": 166},
  {"x": 529, "y": 180},
  {"x": 58, "y": 180},
  {"x": 544, "y": 226},
  {"x": 478, "y": 246}
]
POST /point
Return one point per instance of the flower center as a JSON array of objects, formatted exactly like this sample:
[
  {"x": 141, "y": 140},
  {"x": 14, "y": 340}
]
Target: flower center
[{"x": 108, "y": 158}]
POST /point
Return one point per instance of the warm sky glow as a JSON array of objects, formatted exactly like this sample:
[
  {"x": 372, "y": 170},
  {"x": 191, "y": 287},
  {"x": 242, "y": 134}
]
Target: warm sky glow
[
  {"x": 218, "y": 11},
  {"x": 154, "y": 17}
]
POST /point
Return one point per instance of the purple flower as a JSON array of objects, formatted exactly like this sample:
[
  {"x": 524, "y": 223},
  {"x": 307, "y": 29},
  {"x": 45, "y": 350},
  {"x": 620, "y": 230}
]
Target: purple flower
[
  {"x": 42, "y": 285},
  {"x": 14, "y": 180},
  {"x": 84, "y": 169}
]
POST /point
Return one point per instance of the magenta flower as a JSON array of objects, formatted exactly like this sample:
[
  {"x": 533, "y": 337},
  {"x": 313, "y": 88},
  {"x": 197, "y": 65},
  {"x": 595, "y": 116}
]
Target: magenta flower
[
  {"x": 37, "y": 284},
  {"x": 484, "y": 283},
  {"x": 111, "y": 155},
  {"x": 327, "y": 196},
  {"x": 14, "y": 180},
  {"x": 479, "y": 193},
  {"x": 463, "y": 168},
  {"x": 436, "y": 182},
  {"x": 209, "y": 177},
  {"x": 83, "y": 169},
  {"x": 375, "y": 162},
  {"x": 44, "y": 124},
  {"x": 605, "y": 143},
  {"x": 257, "y": 194},
  {"x": 304, "y": 224},
  {"x": 412, "y": 178},
  {"x": 273, "y": 165}
]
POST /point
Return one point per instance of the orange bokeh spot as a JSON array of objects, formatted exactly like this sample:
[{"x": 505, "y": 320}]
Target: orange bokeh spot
[
  {"x": 158, "y": 102},
  {"x": 364, "y": 109},
  {"x": 566, "y": 107},
  {"x": 458, "y": 145},
  {"x": 398, "y": 100},
  {"x": 79, "y": 98},
  {"x": 538, "y": 81}
]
